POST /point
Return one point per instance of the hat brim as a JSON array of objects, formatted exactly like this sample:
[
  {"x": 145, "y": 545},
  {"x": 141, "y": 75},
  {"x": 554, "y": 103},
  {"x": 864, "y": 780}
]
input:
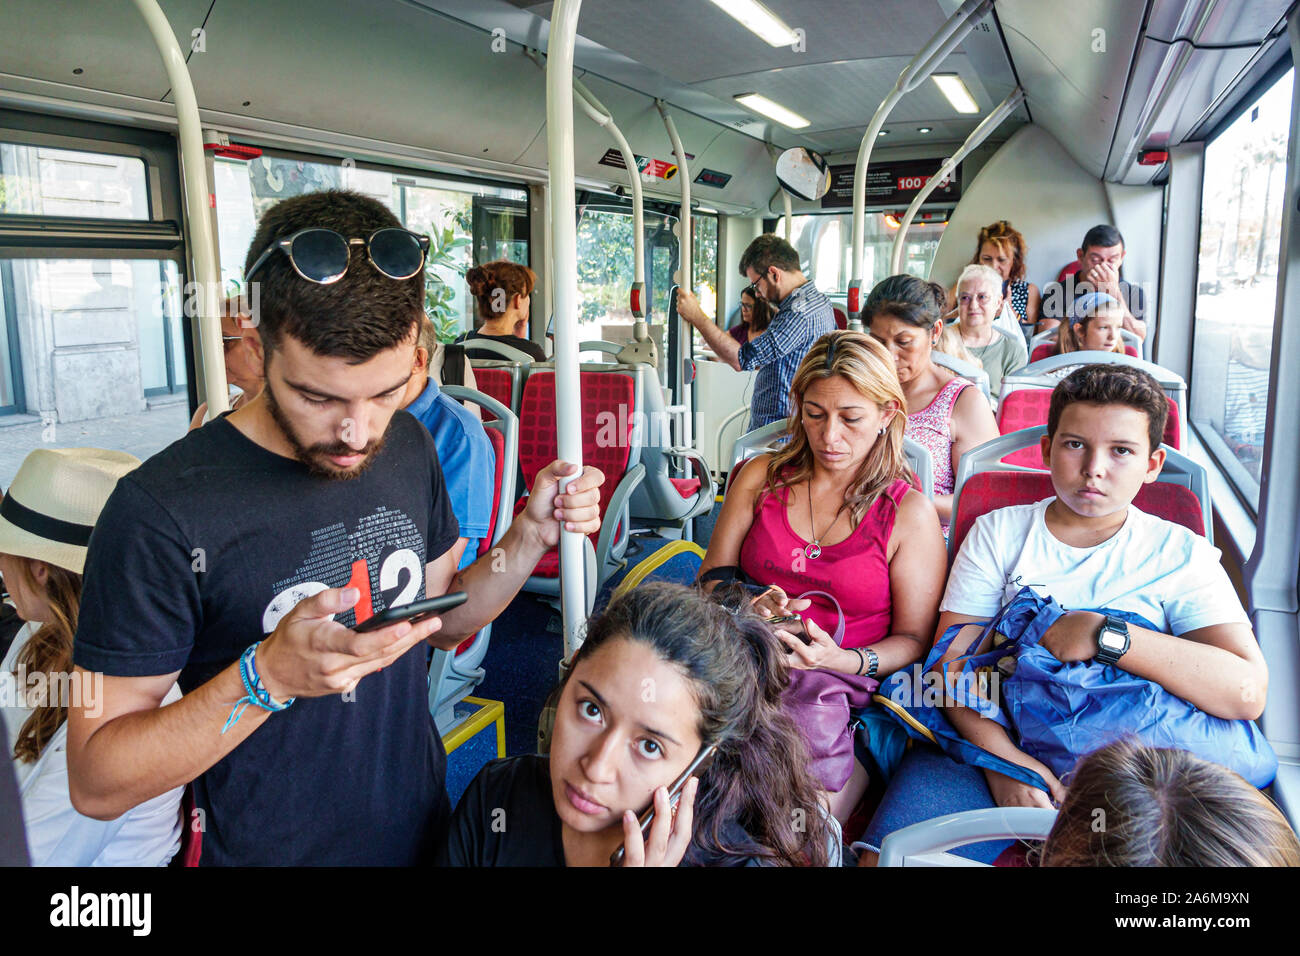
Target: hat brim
[{"x": 14, "y": 540}]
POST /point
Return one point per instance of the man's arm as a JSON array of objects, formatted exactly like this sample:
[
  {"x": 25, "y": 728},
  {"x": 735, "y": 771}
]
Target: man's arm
[
  {"x": 124, "y": 749},
  {"x": 496, "y": 577},
  {"x": 723, "y": 345}
]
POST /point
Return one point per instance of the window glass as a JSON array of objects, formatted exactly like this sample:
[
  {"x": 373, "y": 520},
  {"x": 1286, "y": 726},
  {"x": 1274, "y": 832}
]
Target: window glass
[
  {"x": 825, "y": 245},
  {"x": 99, "y": 339},
  {"x": 466, "y": 222},
  {"x": 40, "y": 181},
  {"x": 1241, "y": 223}
]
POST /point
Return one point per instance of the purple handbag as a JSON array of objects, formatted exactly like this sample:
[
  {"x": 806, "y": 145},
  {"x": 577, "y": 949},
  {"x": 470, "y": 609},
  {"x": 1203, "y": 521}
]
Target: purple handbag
[{"x": 819, "y": 701}]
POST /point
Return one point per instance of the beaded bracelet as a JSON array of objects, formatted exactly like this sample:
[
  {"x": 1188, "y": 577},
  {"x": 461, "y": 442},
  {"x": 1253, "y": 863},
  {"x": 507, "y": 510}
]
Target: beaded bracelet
[{"x": 255, "y": 690}]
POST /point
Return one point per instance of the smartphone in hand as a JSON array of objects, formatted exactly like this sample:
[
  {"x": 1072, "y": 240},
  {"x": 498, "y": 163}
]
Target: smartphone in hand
[
  {"x": 414, "y": 612},
  {"x": 703, "y": 760}
]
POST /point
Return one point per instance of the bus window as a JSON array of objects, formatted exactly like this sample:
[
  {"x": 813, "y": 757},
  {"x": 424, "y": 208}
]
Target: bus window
[
  {"x": 825, "y": 244},
  {"x": 467, "y": 222},
  {"x": 1241, "y": 222},
  {"x": 40, "y": 181}
]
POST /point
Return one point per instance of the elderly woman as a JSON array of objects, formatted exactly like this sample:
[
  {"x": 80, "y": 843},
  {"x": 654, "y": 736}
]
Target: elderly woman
[
  {"x": 870, "y": 539},
  {"x": 1002, "y": 248},
  {"x": 979, "y": 302},
  {"x": 945, "y": 413}
]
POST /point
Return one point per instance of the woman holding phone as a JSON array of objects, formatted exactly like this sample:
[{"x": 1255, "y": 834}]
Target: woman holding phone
[{"x": 663, "y": 675}]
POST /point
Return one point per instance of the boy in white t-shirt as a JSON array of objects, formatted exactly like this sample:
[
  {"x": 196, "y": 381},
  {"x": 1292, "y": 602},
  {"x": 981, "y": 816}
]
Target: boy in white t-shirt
[{"x": 1088, "y": 547}]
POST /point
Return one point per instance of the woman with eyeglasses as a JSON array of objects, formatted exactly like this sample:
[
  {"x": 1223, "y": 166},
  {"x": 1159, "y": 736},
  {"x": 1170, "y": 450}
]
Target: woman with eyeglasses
[
  {"x": 755, "y": 315},
  {"x": 979, "y": 302},
  {"x": 243, "y": 359}
]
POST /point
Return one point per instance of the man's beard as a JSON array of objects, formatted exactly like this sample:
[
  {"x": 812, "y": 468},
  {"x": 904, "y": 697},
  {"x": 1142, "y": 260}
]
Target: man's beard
[{"x": 313, "y": 456}]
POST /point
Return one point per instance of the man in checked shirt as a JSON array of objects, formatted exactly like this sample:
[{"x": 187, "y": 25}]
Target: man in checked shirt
[{"x": 803, "y": 315}]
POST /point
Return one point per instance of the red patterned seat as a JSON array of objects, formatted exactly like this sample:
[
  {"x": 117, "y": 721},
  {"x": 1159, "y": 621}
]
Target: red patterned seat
[
  {"x": 987, "y": 491},
  {"x": 495, "y": 383},
  {"x": 608, "y": 412},
  {"x": 1027, "y": 407}
]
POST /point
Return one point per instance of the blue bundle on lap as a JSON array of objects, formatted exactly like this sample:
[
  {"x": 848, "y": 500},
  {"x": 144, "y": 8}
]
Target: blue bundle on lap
[{"x": 1059, "y": 712}]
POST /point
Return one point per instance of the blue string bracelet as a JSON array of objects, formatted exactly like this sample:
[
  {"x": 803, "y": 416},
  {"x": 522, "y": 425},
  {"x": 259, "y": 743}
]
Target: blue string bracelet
[{"x": 255, "y": 691}]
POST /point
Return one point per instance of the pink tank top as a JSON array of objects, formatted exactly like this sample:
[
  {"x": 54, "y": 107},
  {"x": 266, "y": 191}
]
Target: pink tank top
[
  {"x": 856, "y": 570},
  {"x": 932, "y": 427}
]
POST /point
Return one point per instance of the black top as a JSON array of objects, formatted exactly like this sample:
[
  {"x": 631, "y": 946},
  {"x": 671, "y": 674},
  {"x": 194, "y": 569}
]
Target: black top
[
  {"x": 515, "y": 342},
  {"x": 200, "y": 552},
  {"x": 507, "y": 818},
  {"x": 1058, "y": 299}
]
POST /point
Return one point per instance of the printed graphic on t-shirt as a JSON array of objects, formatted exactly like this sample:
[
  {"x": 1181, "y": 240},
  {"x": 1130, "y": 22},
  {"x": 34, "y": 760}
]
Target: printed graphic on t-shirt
[{"x": 383, "y": 558}]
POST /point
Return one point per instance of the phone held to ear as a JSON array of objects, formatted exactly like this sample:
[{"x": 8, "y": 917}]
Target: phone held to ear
[
  {"x": 703, "y": 760},
  {"x": 415, "y": 612}
]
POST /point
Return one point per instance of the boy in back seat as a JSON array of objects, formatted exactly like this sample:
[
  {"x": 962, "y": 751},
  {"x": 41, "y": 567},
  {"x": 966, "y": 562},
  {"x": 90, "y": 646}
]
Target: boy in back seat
[{"x": 1088, "y": 547}]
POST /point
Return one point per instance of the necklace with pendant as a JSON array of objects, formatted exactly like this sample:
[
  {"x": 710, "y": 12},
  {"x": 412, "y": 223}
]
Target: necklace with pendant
[{"x": 814, "y": 550}]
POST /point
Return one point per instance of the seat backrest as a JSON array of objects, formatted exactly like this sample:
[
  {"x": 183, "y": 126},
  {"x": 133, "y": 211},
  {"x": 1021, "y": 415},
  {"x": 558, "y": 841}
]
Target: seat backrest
[
  {"x": 1025, "y": 406},
  {"x": 608, "y": 416},
  {"x": 500, "y": 381},
  {"x": 972, "y": 373},
  {"x": 926, "y": 843},
  {"x": 841, "y": 317},
  {"x": 1042, "y": 351},
  {"x": 986, "y": 482}
]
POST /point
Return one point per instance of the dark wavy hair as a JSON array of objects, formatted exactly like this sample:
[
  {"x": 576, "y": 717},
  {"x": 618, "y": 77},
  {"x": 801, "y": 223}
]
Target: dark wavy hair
[
  {"x": 737, "y": 670},
  {"x": 761, "y": 315}
]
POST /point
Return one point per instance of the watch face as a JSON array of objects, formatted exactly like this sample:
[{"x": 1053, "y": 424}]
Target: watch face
[{"x": 1111, "y": 641}]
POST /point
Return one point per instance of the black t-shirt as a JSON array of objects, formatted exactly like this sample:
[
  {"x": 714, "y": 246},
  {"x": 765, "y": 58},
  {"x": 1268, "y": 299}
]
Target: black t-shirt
[
  {"x": 514, "y": 341},
  {"x": 200, "y": 552},
  {"x": 507, "y": 818},
  {"x": 1059, "y": 298}
]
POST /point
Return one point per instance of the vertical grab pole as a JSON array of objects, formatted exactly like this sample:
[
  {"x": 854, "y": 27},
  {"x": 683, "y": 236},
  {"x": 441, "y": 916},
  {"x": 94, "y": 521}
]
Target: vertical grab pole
[
  {"x": 932, "y": 54},
  {"x": 686, "y": 275},
  {"x": 564, "y": 251},
  {"x": 977, "y": 136},
  {"x": 197, "y": 212},
  {"x": 603, "y": 117}
]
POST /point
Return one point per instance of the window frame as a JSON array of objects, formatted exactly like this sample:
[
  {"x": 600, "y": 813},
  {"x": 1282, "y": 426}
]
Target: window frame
[
  {"x": 1215, "y": 447},
  {"x": 162, "y": 236}
]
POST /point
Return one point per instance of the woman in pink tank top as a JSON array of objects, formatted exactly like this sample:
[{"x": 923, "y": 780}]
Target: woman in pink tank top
[
  {"x": 944, "y": 413},
  {"x": 834, "y": 511}
]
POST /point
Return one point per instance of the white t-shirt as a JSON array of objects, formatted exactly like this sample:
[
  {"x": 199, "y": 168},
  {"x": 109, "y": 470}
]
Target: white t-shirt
[
  {"x": 1152, "y": 567},
  {"x": 57, "y": 835}
]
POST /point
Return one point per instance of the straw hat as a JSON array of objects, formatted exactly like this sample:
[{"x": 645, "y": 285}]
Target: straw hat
[{"x": 51, "y": 507}]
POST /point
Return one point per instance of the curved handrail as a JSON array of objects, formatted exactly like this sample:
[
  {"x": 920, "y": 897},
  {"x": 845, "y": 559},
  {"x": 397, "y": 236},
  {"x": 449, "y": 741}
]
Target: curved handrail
[
  {"x": 198, "y": 215},
  {"x": 922, "y": 65},
  {"x": 977, "y": 136}
]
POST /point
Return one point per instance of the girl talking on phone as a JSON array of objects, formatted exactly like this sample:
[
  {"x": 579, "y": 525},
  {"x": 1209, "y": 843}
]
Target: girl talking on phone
[{"x": 664, "y": 674}]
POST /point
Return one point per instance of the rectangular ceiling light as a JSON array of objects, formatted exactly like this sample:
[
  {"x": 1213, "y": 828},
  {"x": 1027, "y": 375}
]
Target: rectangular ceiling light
[
  {"x": 951, "y": 86},
  {"x": 761, "y": 104},
  {"x": 755, "y": 17}
]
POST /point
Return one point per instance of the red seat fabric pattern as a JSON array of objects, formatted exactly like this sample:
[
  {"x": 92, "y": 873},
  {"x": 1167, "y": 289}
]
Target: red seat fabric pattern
[
  {"x": 986, "y": 491},
  {"x": 841, "y": 317},
  {"x": 608, "y": 410},
  {"x": 494, "y": 383},
  {"x": 1046, "y": 350},
  {"x": 1028, "y": 408}
]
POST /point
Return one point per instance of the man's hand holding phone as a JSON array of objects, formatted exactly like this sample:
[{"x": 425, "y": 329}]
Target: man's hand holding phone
[{"x": 311, "y": 655}]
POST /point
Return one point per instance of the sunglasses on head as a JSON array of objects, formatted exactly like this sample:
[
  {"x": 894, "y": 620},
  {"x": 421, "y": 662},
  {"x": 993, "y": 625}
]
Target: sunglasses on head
[{"x": 322, "y": 255}]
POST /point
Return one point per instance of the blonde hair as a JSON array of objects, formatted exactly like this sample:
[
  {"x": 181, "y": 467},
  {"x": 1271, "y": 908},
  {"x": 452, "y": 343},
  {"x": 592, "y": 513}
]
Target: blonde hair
[
  {"x": 1131, "y": 805},
  {"x": 867, "y": 366},
  {"x": 951, "y": 343},
  {"x": 48, "y": 652},
  {"x": 1068, "y": 338}
]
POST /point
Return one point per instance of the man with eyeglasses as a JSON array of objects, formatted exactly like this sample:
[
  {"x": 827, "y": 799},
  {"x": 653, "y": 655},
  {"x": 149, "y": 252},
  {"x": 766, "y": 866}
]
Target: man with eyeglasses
[
  {"x": 243, "y": 354},
  {"x": 240, "y": 559}
]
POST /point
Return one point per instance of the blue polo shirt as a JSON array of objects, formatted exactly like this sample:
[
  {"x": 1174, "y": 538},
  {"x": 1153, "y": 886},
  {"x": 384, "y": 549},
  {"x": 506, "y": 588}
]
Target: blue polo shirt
[
  {"x": 803, "y": 316},
  {"x": 467, "y": 460}
]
